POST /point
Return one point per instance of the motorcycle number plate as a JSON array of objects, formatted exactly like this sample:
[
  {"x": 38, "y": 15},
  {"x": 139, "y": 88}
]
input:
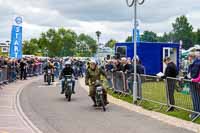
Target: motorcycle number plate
[
  {"x": 70, "y": 84},
  {"x": 68, "y": 80},
  {"x": 100, "y": 92}
]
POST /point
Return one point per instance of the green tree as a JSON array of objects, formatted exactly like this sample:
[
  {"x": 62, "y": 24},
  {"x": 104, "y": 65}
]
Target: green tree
[
  {"x": 182, "y": 30},
  {"x": 167, "y": 37},
  {"x": 61, "y": 42},
  {"x": 197, "y": 37},
  {"x": 128, "y": 39},
  {"x": 30, "y": 47},
  {"x": 149, "y": 36},
  {"x": 111, "y": 43},
  {"x": 86, "y": 44},
  {"x": 68, "y": 41}
]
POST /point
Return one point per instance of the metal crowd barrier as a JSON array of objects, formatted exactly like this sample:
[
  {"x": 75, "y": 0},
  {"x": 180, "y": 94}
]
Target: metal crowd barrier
[
  {"x": 12, "y": 73},
  {"x": 119, "y": 82},
  {"x": 5, "y": 75},
  {"x": 1, "y": 77},
  {"x": 34, "y": 69},
  {"x": 184, "y": 94},
  {"x": 171, "y": 92},
  {"x": 153, "y": 89}
]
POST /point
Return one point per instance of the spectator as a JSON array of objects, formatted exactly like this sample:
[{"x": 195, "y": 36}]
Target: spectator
[
  {"x": 140, "y": 70},
  {"x": 23, "y": 66},
  {"x": 188, "y": 62},
  {"x": 171, "y": 71},
  {"x": 108, "y": 68},
  {"x": 117, "y": 65},
  {"x": 194, "y": 70}
]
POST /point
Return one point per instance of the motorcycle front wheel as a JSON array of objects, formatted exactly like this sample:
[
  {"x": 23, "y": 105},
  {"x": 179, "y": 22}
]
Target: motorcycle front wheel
[{"x": 103, "y": 103}]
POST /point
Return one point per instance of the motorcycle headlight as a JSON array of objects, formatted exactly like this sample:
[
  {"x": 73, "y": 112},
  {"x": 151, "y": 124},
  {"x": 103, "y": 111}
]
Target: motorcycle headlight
[
  {"x": 99, "y": 88},
  {"x": 68, "y": 80}
]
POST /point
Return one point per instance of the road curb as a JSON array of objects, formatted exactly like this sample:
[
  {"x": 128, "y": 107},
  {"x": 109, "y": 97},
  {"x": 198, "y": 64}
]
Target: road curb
[
  {"x": 173, "y": 121},
  {"x": 21, "y": 113}
]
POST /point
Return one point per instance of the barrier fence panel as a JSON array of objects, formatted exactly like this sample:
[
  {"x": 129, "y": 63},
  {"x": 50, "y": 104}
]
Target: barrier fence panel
[
  {"x": 129, "y": 81},
  {"x": 119, "y": 82},
  {"x": 184, "y": 94},
  {"x": 153, "y": 89},
  {"x": 1, "y": 77},
  {"x": 171, "y": 92},
  {"x": 5, "y": 74},
  {"x": 40, "y": 68},
  {"x": 109, "y": 75}
]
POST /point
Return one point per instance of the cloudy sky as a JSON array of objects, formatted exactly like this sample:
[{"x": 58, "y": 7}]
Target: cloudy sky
[{"x": 112, "y": 17}]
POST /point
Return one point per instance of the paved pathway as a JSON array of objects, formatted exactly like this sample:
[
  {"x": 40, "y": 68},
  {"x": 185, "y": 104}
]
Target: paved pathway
[
  {"x": 52, "y": 113},
  {"x": 10, "y": 118}
]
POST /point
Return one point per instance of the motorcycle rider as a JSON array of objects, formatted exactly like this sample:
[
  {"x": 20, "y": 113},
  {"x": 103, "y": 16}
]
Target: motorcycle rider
[
  {"x": 51, "y": 67},
  {"x": 94, "y": 73},
  {"x": 68, "y": 70}
]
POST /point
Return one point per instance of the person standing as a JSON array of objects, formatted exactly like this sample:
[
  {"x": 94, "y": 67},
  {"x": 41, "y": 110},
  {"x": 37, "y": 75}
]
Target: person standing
[
  {"x": 170, "y": 72},
  {"x": 108, "y": 68},
  {"x": 194, "y": 72},
  {"x": 23, "y": 66}
]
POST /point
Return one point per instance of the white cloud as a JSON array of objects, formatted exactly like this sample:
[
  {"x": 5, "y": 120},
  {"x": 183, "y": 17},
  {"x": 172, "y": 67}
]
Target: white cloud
[{"x": 113, "y": 19}]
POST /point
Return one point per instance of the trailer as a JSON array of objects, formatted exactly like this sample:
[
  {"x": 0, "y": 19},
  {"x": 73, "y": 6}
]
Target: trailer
[{"x": 151, "y": 54}]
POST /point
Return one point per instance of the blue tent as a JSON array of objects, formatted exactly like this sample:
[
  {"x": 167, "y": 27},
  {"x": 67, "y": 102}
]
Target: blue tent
[{"x": 151, "y": 54}]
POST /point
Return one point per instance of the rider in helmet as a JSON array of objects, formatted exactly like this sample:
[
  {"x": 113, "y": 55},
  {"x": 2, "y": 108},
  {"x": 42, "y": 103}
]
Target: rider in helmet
[
  {"x": 94, "y": 73},
  {"x": 67, "y": 71},
  {"x": 51, "y": 67}
]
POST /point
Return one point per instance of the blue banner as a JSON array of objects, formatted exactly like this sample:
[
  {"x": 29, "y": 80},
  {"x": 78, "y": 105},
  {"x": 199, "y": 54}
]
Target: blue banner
[
  {"x": 16, "y": 42},
  {"x": 137, "y": 35}
]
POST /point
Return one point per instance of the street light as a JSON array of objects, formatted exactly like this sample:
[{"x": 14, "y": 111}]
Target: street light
[
  {"x": 134, "y": 3},
  {"x": 98, "y": 34}
]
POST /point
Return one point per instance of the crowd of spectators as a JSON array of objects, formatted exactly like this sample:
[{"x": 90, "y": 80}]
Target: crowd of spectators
[{"x": 13, "y": 69}]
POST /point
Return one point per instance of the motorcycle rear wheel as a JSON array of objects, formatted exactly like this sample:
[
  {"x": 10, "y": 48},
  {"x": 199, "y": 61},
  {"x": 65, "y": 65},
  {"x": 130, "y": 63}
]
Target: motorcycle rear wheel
[
  {"x": 49, "y": 80},
  {"x": 68, "y": 94}
]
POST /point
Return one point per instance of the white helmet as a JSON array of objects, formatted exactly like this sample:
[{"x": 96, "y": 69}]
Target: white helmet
[
  {"x": 67, "y": 63},
  {"x": 93, "y": 61}
]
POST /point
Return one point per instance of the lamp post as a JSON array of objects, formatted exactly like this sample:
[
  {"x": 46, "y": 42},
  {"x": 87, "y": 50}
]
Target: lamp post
[
  {"x": 98, "y": 34},
  {"x": 134, "y": 3}
]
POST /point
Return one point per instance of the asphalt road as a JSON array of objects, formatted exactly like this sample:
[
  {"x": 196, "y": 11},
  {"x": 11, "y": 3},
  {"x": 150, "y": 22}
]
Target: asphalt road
[{"x": 52, "y": 113}]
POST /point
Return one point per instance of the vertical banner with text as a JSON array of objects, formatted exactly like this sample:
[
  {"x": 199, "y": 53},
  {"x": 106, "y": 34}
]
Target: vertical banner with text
[{"x": 16, "y": 39}]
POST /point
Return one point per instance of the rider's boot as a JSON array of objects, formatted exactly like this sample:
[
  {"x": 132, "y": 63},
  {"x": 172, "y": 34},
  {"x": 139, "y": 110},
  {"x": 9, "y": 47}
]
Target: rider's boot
[
  {"x": 73, "y": 86},
  {"x": 45, "y": 78},
  {"x": 73, "y": 90},
  {"x": 52, "y": 77},
  {"x": 93, "y": 99},
  {"x": 62, "y": 92},
  {"x": 106, "y": 99}
]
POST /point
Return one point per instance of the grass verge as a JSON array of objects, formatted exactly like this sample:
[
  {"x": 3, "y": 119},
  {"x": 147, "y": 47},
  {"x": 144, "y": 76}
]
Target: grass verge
[{"x": 178, "y": 113}]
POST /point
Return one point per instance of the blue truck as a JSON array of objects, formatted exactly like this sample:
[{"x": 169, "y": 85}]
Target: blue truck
[{"x": 151, "y": 54}]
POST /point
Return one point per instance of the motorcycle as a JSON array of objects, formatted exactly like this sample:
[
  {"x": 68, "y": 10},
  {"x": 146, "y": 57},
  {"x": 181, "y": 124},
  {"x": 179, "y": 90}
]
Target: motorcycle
[
  {"x": 99, "y": 95},
  {"x": 68, "y": 86},
  {"x": 48, "y": 75}
]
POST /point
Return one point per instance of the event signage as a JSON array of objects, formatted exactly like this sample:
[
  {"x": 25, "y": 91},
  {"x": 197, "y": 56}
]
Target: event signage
[{"x": 16, "y": 38}]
